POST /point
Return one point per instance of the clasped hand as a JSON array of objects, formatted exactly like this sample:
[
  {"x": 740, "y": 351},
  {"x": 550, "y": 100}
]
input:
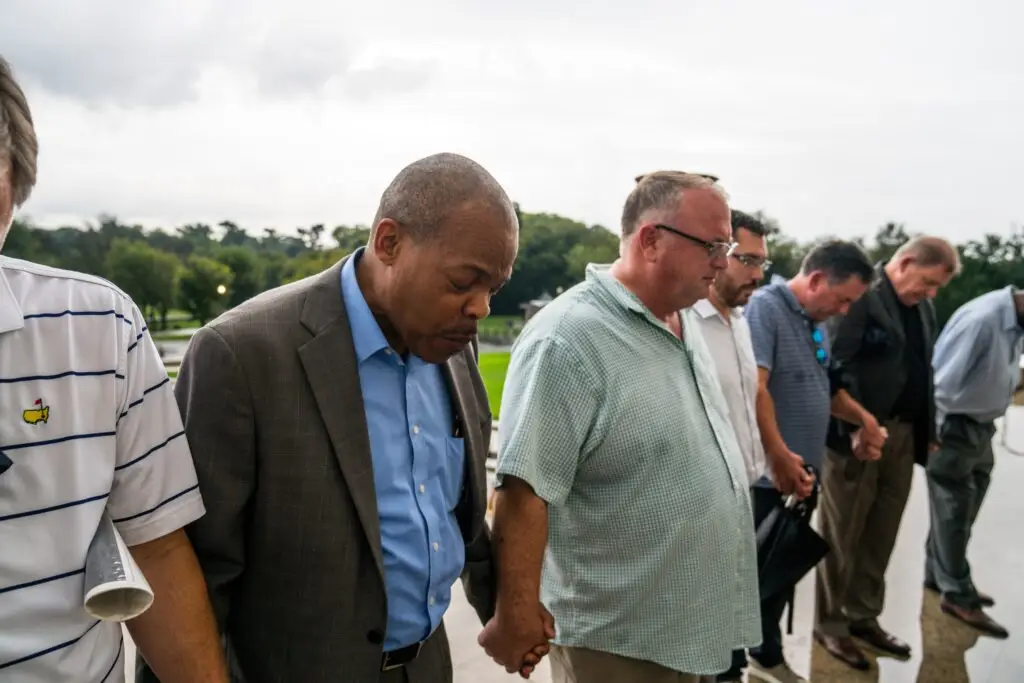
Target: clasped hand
[
  {"x": 868, "y": 441},
  {"x": 518, "y": 638}
]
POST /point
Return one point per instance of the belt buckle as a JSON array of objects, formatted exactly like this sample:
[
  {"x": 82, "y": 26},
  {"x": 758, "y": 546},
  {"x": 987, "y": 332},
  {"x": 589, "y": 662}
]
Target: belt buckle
[{"x": 387, "y": 666}]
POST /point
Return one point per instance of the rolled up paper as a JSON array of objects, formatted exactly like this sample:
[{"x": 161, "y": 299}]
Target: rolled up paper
[{"x": 115, "y": 589}]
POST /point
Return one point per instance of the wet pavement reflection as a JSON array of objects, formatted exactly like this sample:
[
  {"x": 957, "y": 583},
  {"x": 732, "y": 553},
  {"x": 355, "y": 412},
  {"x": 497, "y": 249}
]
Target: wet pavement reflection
[{"x": 944, "y": 650}]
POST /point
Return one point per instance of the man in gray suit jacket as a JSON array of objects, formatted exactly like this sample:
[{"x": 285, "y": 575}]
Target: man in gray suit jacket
[
  {"x": 883, "y": 348},
  {"x": 340, "y": 430}
]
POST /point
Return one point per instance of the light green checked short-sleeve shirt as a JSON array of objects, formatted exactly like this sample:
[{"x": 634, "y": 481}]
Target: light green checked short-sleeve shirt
[{"x": 623, "y": 430}]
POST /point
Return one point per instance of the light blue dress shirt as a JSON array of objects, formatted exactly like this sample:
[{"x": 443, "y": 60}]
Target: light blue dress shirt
[
  {"x": 977, "y": 358},
  {"x": 417, "y": 471}
]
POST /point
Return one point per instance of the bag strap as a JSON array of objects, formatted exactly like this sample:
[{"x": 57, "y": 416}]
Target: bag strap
[{"x": 790, "y": 600}]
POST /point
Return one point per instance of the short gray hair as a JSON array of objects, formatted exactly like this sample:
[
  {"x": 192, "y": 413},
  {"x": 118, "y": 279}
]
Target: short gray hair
[
  {"x": 18, "y": 142},
  {"x": 424, "y": 193},
  {"x": 661, "y": 191},
  {"x": 928, "y": 252}
]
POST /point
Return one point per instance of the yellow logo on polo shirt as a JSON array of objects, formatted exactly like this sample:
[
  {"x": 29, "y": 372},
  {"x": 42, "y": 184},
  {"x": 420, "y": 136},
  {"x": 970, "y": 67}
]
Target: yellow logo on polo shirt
[{"x": 40, "y": 413}]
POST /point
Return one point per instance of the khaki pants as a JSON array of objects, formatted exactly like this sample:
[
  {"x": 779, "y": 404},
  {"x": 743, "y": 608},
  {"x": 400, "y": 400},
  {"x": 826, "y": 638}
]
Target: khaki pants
[
  {"x": 579, "y": 665},
  {"x": 861, "y": 508}
]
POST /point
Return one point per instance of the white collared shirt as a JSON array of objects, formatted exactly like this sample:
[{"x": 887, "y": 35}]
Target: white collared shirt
[
  {"x": 733, "y": 353},
  {"x": 89, "y": 421}
]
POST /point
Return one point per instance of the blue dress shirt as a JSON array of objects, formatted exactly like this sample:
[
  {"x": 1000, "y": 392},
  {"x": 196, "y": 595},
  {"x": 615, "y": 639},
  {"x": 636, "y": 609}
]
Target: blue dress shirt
[
  {"x": 977, "y": 358},
  {"x": 417, "y": 471}
]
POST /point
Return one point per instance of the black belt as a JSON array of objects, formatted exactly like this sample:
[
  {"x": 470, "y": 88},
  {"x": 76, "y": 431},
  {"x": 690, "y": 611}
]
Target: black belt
[{"x": 396, "y": 659}]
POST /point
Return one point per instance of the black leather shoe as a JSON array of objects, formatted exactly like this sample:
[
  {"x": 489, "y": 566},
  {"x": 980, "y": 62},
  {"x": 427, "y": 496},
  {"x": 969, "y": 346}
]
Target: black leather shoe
[{"x": 976, "y": 618}]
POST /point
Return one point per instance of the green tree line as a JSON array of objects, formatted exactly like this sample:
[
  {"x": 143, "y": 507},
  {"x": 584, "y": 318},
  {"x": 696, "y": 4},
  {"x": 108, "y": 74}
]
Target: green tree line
[{"x": 204, "y": 269}]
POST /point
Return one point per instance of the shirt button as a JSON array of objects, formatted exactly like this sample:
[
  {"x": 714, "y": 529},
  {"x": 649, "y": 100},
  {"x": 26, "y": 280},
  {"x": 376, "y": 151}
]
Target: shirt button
[
  {"x": 423, "y": 488},
  {"x": 437, "y": 546},
  {"x": 431, "y": 600},
  {"x": 415, "y": 429}
]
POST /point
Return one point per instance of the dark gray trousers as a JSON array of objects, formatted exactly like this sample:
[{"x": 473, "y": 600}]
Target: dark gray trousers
[{"x": 958, "y": 478}]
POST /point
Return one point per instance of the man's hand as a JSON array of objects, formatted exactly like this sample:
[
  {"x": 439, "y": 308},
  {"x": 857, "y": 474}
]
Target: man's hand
[
  {"x": 789, "y": 475},
  {"x": 868, "y": 441},
  {"x": 518, "y": 639}
]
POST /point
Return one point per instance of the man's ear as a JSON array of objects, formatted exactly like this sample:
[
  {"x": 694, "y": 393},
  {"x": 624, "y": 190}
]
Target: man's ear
[
  {"x": 647, "y": 239},
  {"x": 386, "y": 241}
]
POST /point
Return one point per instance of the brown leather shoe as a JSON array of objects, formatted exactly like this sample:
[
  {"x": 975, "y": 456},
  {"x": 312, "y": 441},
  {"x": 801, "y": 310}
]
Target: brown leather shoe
[
  {"x": 976, "y": 618},
  {"x": 844, "y": 649},
  {"x": 983, "y": 598},
  {"x": 879, "y": 639}
]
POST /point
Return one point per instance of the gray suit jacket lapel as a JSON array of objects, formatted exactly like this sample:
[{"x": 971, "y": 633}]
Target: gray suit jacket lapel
[
  {"x": 458, "y": 380},
  {"x": 330, "y": 363}
]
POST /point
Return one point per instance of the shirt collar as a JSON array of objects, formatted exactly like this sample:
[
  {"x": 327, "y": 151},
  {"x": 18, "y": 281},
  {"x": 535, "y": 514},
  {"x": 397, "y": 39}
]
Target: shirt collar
[
  {"x": 600, "y": 275},
  {"x": 367, "y": 337},
  {"x": 11, "y": 317},
  {"x": 1010, "y": 321},
  {"x": 705, "y": 309},
  {"x": 786, "y": 292}
]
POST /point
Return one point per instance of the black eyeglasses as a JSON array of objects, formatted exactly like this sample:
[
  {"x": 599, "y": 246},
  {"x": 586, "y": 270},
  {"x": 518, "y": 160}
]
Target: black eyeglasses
[
  {"x": 714, "y": 249},
  {"x": 751, "y": 261},
  {"x": 819, "y": 346}
]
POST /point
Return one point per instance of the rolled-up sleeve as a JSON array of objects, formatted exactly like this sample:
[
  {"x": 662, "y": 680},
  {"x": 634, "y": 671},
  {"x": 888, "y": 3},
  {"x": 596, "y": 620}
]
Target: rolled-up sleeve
[
  {"x": 548, "y": 410},
  {"x": 155, "y": 490}
]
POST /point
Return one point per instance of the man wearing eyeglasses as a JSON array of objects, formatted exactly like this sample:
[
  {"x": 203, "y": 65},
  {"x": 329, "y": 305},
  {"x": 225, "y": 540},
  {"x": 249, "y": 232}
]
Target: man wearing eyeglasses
[
  {"x": 727, "y": 336},
  {"x": 797, "y": 394},
  {"x": 884, "y": 344},
  {"x": 622, "y": 500}
]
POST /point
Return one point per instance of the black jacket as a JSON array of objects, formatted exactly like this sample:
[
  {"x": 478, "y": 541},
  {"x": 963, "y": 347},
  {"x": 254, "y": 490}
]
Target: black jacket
[{"x": 868, "y": 345}]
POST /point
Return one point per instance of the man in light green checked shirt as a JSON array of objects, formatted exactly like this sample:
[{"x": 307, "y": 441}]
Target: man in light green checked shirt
[{"x": 622, "y": 503}]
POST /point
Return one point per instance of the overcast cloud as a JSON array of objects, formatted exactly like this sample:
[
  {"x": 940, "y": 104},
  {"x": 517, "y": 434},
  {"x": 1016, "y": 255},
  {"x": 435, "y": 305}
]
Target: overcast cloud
[{"x": 834, "y": 120}]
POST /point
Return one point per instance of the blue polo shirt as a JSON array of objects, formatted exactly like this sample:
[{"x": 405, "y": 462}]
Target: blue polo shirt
[{"x": 781, "y": 334}]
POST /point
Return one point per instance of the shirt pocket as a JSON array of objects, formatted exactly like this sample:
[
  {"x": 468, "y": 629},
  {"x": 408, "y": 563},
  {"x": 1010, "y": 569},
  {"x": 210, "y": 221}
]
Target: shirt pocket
[{"x": 454, "y": 473}]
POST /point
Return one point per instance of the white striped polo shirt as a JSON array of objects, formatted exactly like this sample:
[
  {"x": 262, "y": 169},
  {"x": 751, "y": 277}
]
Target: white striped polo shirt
[{"x": 89, "y": 421}]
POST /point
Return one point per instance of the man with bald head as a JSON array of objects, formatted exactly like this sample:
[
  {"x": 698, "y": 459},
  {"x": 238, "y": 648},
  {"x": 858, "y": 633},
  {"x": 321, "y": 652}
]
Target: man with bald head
[
  {"x": 340, "y": 430},
  {"x": 883, "y": 345},
  {"x": 622, "y": 503}
]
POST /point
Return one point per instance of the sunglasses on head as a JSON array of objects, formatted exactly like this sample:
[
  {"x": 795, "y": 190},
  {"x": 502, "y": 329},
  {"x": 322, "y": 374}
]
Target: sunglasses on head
[{"x": 654, "y": 174}]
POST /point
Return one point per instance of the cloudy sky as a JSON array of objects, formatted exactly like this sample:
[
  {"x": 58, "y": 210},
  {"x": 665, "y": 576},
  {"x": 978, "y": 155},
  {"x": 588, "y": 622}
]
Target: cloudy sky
[{"x": 833, "y": 119}]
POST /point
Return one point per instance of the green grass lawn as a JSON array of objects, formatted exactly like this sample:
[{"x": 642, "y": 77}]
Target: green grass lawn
[
  {"x": 493, "y": 367},
  {"x": 171, "y": 335}
]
